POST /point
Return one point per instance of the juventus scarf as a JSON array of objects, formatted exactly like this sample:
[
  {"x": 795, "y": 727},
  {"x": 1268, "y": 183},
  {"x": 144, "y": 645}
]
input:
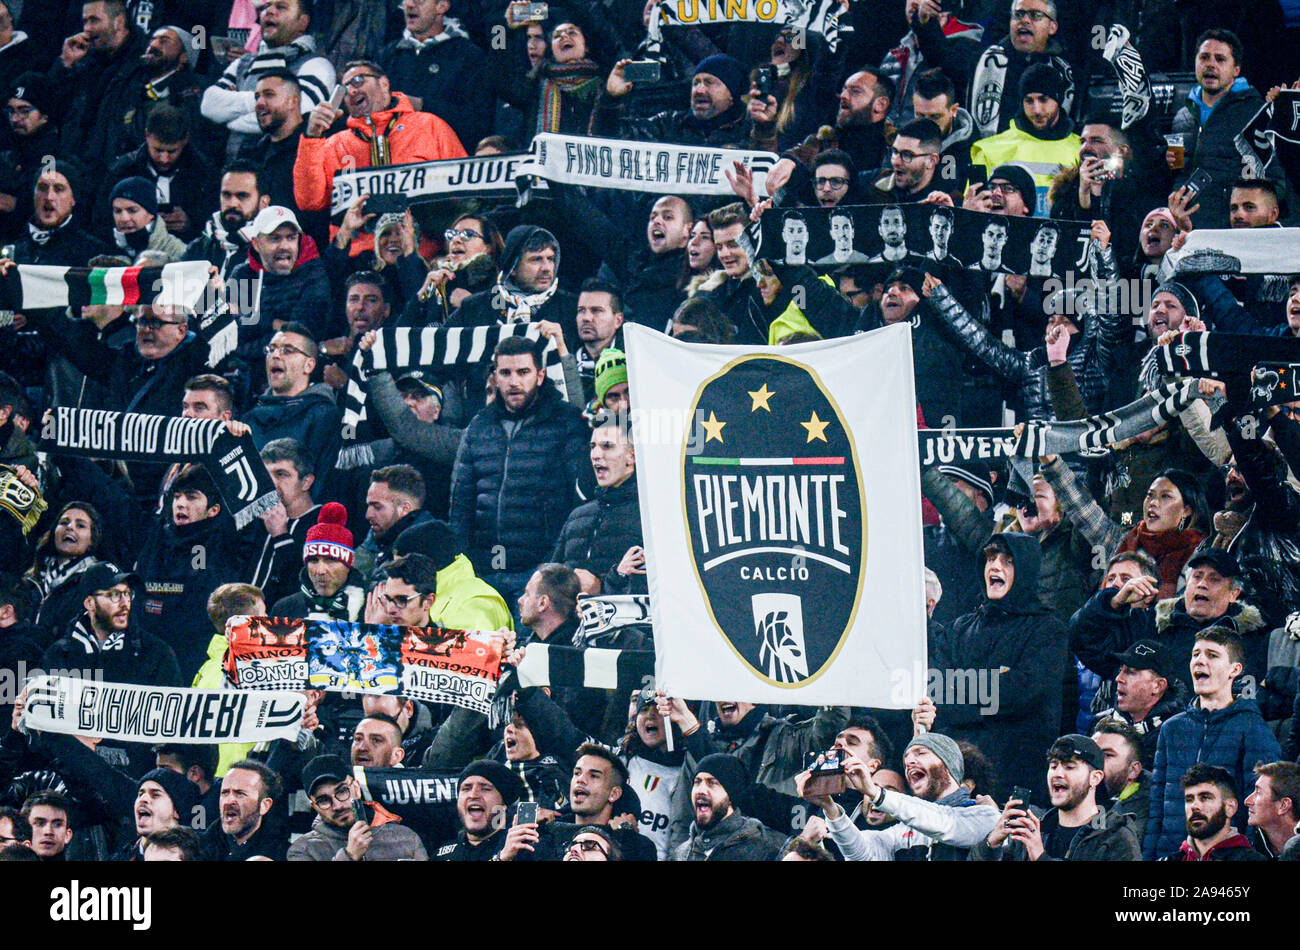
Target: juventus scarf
[
  {"x": 813, "y": 16},
  {"x": 591, "y": 668},
  {"x": 1269, "y": 361},
  {"x": 601, "y": 617},
  {"x": 1091, "y": 436},
  {"x": 1273, "y": 132},
  {"x": 449, "y": 349},
  {"x": 491, "y": 176},
  {"x": 990, "y": 80},
  {"x": 927, "y": 237},
  {"x": 24, "y": 503},
  {"x": 241, "y": 478},
  {"x": 638, "y": 166},
  {"x": 1131, "y": 74},
  {"x": 425, "y": 799},
  {"x": 432, "y": 663},
  {"x": 1236, "y": 251},
  {"x": 153, "y": 714}
]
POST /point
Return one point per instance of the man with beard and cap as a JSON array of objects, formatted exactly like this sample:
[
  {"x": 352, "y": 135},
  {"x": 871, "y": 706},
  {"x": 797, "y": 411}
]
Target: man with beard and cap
[
  {"x": 382, "y": 128},
  {"x": 1149, "y": 689},
  {"x": 1114, "y": 620},
  {"x": 1076, "y": 827},
  {"x": 330, "y": 588},
  {"x": 719, "y": 832},
  {"x": 287, "y": 278},
  {"x": 936, "y": 358},
  {"x": 486, "y": 792},
  {"x": 939, "y": 821},
  {"x": 33, "y": 124},
  {"x": 1210, "y": 803},
  {"x": 1015, "y": 639},
  {"x": 336, "y": 834},
  {"x": 507, "y": 517},
  {"x": 1040, "y": 138},
  {"x": 1009, "y": 190},
  {"x": 164, "y": 73},
  {"x": 243, "y": 195},
  {"x": 184, "y": 177},
  {"x": 716, "y": 117},
  {"x": 137, "y": 226}
]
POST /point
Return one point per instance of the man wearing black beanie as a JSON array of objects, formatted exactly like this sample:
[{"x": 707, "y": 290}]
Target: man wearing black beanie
[
  {"x": 164, "y": 799},
  {"x": 720, "y": 832},
  {"x": 486, "y": 791}
]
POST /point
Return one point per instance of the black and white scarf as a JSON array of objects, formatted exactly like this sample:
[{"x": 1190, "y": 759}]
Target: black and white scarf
[
  {"x": 241, "y": 478},
  {"x": 990, "y": 80},
  {"x": 1235, "y": 251},
  {"x": 400, "y": 349},
  {"x": 811, "y": 16},
  {"x": 1130, "y": 73}
]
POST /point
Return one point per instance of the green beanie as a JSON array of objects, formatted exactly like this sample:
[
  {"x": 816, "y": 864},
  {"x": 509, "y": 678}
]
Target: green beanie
[{"x": 611, "y": 369}]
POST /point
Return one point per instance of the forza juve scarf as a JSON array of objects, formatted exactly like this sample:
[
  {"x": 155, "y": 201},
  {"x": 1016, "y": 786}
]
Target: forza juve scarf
[
  {"x": 491, "y": 176},
  {"x": 1091, "y": 436},
  {"x": 812, "y": 16},
  {"x": 447, "y": 350},
  {"x": 638, "y": 166},
  {"x": 130, "y": 713},
  {"x": 38, "y": 286},
  {"x": 432, "y": 663},
  {"x": 246, "y": 489}
]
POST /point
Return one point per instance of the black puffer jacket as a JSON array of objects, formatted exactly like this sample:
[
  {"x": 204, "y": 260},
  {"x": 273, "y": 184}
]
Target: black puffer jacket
[
  {"x": 1110, "y": 836},
  {"x": 675, "y": 127},
  {"x": 513, "y": 482},
  {"x": 1212, "y": 148},
  {"x": 597, "y": 535},
  {"x": 1090, "y": 355},
  {"x": 1015, "y": 633}
]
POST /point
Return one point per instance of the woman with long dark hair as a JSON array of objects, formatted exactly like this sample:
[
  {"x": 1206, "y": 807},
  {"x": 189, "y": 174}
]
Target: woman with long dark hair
[
  {"x": 73, "y": 544},
  {"x": 474, "y": 245}
]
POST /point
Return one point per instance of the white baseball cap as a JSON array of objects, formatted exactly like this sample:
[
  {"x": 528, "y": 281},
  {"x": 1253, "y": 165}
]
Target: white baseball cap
[{"x": 267, "y": 220}]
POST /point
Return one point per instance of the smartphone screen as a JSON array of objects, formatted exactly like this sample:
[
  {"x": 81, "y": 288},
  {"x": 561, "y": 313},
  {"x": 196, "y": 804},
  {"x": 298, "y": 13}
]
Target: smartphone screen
[{"x": 526, "y": 813}]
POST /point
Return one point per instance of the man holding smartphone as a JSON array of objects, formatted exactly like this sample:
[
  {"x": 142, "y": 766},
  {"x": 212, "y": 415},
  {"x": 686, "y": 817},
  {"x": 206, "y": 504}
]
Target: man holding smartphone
[
  {"x": 1076, "y": 827},
  {"x": 339, "y": 833}
]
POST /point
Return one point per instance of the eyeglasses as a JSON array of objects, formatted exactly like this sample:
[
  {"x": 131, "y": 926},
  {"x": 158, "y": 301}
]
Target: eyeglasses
[
  {"x": 822, "y": 183},
  {"x": 909, "y": 157},
  {"x": 357, "y": 81},
  {"x": 399, "y": 601},
  {"x": 20, "y": 112},
  {"x": 153, "y": 323},
  {"x": 341, "y": 795},
  {"x": 465, "y": 234},
  {"x": 115, "y": 596},
  {"x": 588, "y": 844},
  {"x": 1004, "y": 187},
  {"x": 283, "y": 349},
  {"x": 1037, "y": 16}
]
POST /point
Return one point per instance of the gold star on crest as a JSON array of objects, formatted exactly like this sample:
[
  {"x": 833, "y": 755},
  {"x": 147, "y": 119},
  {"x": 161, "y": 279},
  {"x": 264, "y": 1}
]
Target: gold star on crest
[
  {"x": 713, "y": 427},
  {"x": 760, "y": 397},
  {"x": 816, "y": 428}
]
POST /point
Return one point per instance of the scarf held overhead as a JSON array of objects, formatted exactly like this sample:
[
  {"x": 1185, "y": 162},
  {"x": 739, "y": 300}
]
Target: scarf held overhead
[
  {"x": 638, "y": 166},
  {"x": 39, "y": 286},
  {"x": 813, "y": 16},
  {"x": 432, "y": 663},
  {"x": 445, "y": 349},
  {"x": 234, "y": 464},
  {"x": 490, "y": 176},
  {"x": 131, "y": 713}
]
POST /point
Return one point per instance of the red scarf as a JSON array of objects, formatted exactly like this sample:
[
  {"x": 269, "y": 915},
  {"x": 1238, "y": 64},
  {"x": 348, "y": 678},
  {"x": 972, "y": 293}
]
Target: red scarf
[{"x": 1171, "y": 549}]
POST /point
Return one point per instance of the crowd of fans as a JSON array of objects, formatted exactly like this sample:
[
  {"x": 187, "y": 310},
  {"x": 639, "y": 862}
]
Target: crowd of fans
[{"x": 1139, "y": 612}]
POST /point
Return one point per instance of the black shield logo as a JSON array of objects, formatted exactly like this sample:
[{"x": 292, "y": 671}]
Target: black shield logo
[{"x": 773, "y": 500}]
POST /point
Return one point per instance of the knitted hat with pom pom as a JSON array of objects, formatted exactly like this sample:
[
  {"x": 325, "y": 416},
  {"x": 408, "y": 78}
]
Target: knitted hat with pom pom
[{"x": 329, "y": 536}]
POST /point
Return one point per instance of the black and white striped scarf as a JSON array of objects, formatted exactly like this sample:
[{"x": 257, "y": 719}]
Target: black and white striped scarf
[{"x": 398, "y": 350}]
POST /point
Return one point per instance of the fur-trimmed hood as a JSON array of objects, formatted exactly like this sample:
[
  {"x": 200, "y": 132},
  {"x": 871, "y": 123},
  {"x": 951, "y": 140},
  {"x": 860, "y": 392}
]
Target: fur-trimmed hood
[{"x": 1241, "y": 616}]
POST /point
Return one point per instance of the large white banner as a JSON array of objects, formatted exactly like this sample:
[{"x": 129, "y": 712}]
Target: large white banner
[
  {"x": 782, "y": 521},
  {"x": 132, "y": 713}
]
